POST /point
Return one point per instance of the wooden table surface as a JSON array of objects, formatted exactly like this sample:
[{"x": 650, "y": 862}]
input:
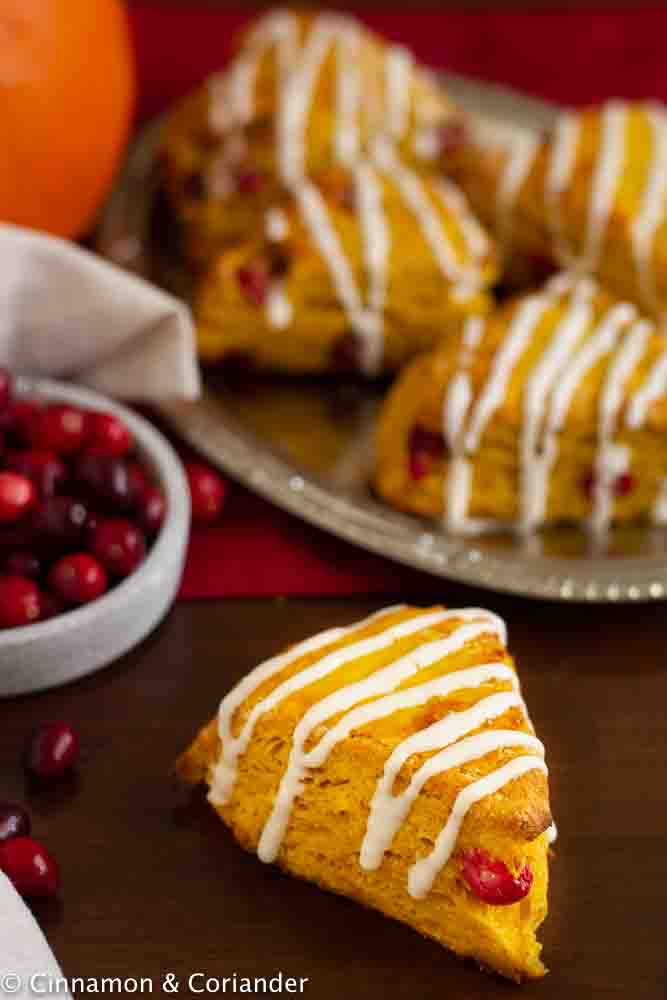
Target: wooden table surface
[{"x": 153, "y": 883}]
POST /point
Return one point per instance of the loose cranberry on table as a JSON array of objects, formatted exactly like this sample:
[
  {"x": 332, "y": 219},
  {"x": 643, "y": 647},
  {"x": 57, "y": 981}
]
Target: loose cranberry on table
[
  {"x": 119, "y": 546},
  {"x": 492, "y": 881},
  {"x": 52, "y": 750},
  {"x": 78, "y": 578},
  {"x": 19, "y": 601},
  {"x": 17, "y": 496},
  {"x": 29, "y": 867},
  {"x": 207, "y": 492},
  {"x": 14, "y": 821}
]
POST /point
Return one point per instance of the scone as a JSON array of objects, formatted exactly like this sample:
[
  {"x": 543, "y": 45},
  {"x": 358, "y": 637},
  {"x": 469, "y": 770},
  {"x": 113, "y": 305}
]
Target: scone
[
  {"x": 394, "y": 762},
  {"x": 552, "y": 410},
  {"x": 303, "y": 92},
  {"x": 359, "y": 268},
  {"x": 590, "y": 194}
]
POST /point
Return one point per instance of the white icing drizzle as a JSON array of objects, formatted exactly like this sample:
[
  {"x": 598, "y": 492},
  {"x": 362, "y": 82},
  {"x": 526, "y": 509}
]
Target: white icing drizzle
[
  {"x": 558, "y": 177},
  {"x": 659, "y": 513},
  {"x": 612, "y": 460},
  {"x": 424, "y": 872},
  {"x": 279, "y": 310},
  {"x": 348, "y": 95},
  {"x": 459, "y": 392},
  {"x": 552, "y": 834},
  {"x": 398, "y": 66},
  {"x": 346, "y": 698},
  {"x": 565, "y": 337},
  {"x": 276, "y": 225},
  {"x": 475, "y": 238},
  {"x": 376, "y": 245},
  {"x": 606, "y": 176},
  {"x": 233, "y": 747},
  {"x": 652, "y": 209},
  {"x": 653, "y": 386},
  {"x": 454, "y": 738},
  {"x": 521, "y": 158}
]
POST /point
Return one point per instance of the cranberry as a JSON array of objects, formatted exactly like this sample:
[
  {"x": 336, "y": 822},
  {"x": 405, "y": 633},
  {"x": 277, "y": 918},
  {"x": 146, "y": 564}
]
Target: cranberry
[
  {"x": 60, "y": 428},
  {"x": 424, "y": 448},
  {"x": 30, "y": 867},
  {"x": 623, "y": 484},
  {"x": 152, "y": 509},
  {"x": 17, "y": 495},
  {"x": 78, "y": 578},
  {"x": 51, "y": 605},
  {"x": 19, "y": 601},
  {"x": 250, "y": 182},
  {"x": 61, "y": 523},
  {"x": 14, "y": 821},
  {"x": 104, "y": 478},
  {"x": 6, "y": 385},
  {"x": 452, "y": 136},
  {"x": 53, "y": 749},
  {"x": 44, "y": 468},
  {"x": 492, "y": 881},
  {"x": 138, "y": 478},
  {"x": 254, "y": 282},
  {"x": 346, "y": 353},
  {"x": 207, "y": 492},
  {"x": 119, "y": 546},
  {"x": 23, "y": 563},
  {"x": 108, "y": 434},
  {"x": 19, "y": 421}
]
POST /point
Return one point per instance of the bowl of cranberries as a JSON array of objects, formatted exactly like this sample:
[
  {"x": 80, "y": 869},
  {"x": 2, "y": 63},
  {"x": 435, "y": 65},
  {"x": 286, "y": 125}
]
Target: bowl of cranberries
[{"x": 94, "y": 520}]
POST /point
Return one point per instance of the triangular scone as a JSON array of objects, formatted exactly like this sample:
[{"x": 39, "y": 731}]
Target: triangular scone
[
  {"x": 394, "y": 761},
  {"x": 303, "y": 91},
  {"x": 591, "y": 192},
  {"x": 359, "y": 269},
  {"x": 554, "y": 409}
]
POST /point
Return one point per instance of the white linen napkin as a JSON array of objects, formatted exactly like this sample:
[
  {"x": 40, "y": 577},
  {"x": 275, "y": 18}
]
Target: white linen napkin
[
  {"x": 23, "y": 948},
  {"x": 66, "y": 313}
]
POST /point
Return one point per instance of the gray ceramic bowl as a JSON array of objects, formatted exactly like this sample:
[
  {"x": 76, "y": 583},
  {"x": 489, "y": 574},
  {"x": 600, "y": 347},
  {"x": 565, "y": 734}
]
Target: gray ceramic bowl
[{"x": 74, "y": 644}]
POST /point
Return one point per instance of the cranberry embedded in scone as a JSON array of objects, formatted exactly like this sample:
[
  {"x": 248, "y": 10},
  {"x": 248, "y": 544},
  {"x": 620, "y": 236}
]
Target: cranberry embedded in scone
[
  {"x": 254, "y": 281},
  {"x": 492, "y": 881},
  {"x": 623, "y": 484},
  {"x": 424, "y": 449},
  {"x": 250, "y": 182}
]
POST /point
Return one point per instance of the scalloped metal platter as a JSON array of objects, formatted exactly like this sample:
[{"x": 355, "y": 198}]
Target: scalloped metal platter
[{"x": 307, "y": 445}]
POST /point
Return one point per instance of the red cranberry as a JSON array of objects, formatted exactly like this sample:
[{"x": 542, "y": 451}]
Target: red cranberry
[
  {"x": 138, "y": 478},
  {"x": 60, "y": 428},
  {"x": 19, "y": 421},
  {"x": 78, "y": 578},
  {"x": 119, "y": 546},
  {"x": 254, "y": 282},
  {"x": 152, "y": 509},
  {"x": 23, "y": 563},
  {"x": 105, "y": 478},
  {"x": 623, "y": 484},
  {"x": 44, "y": 468},
  {"x": 53, "y": 749},
  {"x": 19, "y": 601},
  {"x": 108, "y": 434},
  {"x": 14, "y": 821},
  {"x": 29, "y": 867},
  {"x": 492, "y": 881},
  {"x": 6, "y": 386},
  {"x": 17, "y": 495},
  {"x": 61, "y": 523},
  {"x": 51, "y": 605},
  {"x": 425, "y": 448},
  {"x": 207, "y": 492},
  {"x": 250, "y": 182}
]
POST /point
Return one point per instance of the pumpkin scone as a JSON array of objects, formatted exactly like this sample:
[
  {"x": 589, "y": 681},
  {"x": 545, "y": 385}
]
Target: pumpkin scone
[
  {"x": 303, "y": 92},
  {"x": 359, "y": 269},
  {"x": 394, "y": 761},
  {"x": 589, "y": 194},
  {"x": 554, "y": 409}
]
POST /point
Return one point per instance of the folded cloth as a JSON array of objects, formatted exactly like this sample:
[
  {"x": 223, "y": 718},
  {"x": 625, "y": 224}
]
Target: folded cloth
[
  {"x": 27, "y": 964},
  {"x": 66, "y": 313}
]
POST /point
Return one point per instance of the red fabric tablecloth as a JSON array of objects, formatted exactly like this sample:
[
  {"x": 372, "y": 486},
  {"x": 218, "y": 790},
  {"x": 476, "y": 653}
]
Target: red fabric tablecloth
[{"x": 573, "y": 56}]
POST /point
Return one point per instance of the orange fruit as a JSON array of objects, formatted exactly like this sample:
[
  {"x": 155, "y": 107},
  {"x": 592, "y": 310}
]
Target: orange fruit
[{"x": 67, "y": 89}]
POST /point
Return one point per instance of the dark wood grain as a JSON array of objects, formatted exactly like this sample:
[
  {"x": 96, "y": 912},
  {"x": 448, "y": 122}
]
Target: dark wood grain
[{"x": 154, "y": 883}]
